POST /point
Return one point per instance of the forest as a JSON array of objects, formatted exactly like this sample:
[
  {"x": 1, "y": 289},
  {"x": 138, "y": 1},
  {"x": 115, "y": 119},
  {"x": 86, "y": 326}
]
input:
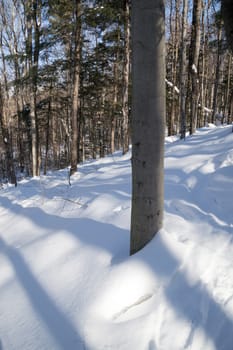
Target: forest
[
  {"x": 116, "y": 166},
  {"x": 65, "y": 79}
]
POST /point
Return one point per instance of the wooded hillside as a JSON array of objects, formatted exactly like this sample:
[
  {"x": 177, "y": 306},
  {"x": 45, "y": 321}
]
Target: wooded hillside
[{"x": 65, "y": 79}]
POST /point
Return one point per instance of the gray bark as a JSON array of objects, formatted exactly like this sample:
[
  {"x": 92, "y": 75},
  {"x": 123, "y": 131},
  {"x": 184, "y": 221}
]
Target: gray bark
[
  {"x": 75, "y": 88},
  {"x": 182, "y": 70},
  {"x": 193, "y": 62},
  {"x": 148, "y": 120},
  {"x": 217, "y": 73},
  {"x": 125, "y": 104}
]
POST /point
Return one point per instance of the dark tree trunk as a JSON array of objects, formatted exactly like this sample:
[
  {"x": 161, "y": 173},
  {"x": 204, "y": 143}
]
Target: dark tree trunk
[{"x": 227, "y": 12}]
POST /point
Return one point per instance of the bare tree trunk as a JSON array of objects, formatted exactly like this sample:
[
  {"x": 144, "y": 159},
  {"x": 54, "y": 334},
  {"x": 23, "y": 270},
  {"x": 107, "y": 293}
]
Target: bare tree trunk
[
  {"x": 4, "y": 114},
  {"x": 125, "y": 102},
  {"x": 172, "y": 126},
  {"x": 33, "y": 23},
  {"x": 217, "y": 72},
  {"x": 227, "y": 94},
  {"x": 227, "y": 12},
  {"x": 148, "y": 120},
  {"x": 10, "y": 171},
  {"x": 193, "y": 62},
  {"x": 75, "y": 87},
  {"x": 183, "y": 70},
  {"x": 115, "y": 94}
]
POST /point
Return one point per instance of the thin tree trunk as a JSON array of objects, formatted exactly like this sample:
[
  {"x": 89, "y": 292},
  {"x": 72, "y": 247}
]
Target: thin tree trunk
[
  {"x": 125, "y": 102},
  {"x": 33, "y": 22},
  {"x": 172, "y": 127},
  {"x": 75, "y": 87},
  {"x": 217, "y": 73},
  {"x": 10, "y": 171},
  {"x": 4, "y": 113},
  {"x": 183, "y": 70},
  {"x": 193, "y": 63},
  {"x": 115, "y": 95},
  {"x": 227, "y": 95},
  {"x": 227, "y": 12}
]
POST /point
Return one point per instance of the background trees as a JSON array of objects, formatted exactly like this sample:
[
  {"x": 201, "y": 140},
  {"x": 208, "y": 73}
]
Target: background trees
[{"x": 63, "y": 62}]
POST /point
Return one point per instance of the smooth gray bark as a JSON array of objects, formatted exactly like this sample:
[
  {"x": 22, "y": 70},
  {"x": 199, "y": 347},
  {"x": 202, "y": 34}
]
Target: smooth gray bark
[
  {"x": 182, "y": 70},
  {"x": 148, "y": 120}
]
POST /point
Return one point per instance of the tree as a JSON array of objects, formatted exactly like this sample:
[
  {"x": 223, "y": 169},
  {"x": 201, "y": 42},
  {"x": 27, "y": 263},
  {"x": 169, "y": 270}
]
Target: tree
[
  {"x": 10, "y": 171},
  {"x": 227, "y": 12},
  {"x": 148, "y": 120},
  {"x": 75, "y": 104},
  {"x": 125, "y": 102},
  {"x": 33, "y": 9},
  {"x": 182, "y": 70},
  {"x": 193, "y": 62},
  {"x": 219, "y": 25},
  {"x": 172, "y": 64}
]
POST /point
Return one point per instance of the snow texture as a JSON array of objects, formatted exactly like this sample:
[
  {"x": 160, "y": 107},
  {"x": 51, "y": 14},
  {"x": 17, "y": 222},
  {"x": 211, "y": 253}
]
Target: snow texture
[{"x": 67, "y": 281}]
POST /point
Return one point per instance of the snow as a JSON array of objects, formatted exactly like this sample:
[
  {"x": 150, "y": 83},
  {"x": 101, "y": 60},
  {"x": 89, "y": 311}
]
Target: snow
[
  {"x": 66, "y": 278},
  {"x": 208, "y": 110},
  {"x": 169, "y": 83},
  {"x": 194, "y": 68}
]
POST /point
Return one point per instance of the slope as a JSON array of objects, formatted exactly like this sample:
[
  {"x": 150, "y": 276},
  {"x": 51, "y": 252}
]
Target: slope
[{"x": 67, "y": 282}]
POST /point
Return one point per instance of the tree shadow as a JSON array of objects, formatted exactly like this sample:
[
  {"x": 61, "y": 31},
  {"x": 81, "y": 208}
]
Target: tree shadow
[
  {"x": 152, "y": 345},
  {"x": 202, "y": 197},
  {"x": 190, "y": 300},
  {"x": 60, "y": 328},
  {"x": 93, "y": 233}
]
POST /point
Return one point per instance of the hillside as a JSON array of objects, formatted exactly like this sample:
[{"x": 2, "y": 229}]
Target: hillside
[{"x": 66, "y": 278}]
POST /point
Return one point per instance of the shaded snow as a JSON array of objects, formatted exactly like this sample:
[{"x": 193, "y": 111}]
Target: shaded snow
[{"x": 67, "y": 282}]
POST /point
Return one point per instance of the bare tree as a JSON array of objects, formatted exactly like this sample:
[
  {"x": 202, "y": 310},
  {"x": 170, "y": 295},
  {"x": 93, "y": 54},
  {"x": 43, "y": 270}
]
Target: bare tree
[
  {"x": 125, "y": 102},
  {"x": 182, "y": 70},
  {"x": 148, "y": 119},
  {"x": 227, "y": 12},
  {"x": 75, "y": 60},
  {"x": 193, "y": 62}
]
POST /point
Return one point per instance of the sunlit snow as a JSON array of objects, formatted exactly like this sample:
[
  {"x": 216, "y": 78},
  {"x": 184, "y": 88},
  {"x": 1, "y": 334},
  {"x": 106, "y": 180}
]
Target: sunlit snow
[{"x": 67, "y": 281}]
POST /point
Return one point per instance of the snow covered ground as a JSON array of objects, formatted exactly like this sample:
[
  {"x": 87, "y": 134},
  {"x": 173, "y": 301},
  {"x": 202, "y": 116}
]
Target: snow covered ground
[{"x": 66, "y": 278}]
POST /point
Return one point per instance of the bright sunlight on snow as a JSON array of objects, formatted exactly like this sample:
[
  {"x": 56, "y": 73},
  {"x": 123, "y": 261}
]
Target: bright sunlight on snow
[{"x": 67, "y": 281}]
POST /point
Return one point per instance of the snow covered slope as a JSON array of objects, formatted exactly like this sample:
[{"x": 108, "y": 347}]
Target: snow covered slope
[{"x": 67, "y": 282}]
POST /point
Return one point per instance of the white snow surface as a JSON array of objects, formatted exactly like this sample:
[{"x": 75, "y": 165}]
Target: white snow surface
[{"x": 67, "y": 280}]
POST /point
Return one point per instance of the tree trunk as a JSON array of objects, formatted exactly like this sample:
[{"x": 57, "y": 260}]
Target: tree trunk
[
  {"x": 33, "y": 23},
  {"x": 182, "y": 70},
  {"x": 227, "y": 12},
  {"x": 217, "y": 73},
  {"x": 75, "y": 87},
  {"x": 193, "y": 62},
  {"x": 172, "y": 126},
  {"x": 10, "y": 171},
  {"x": 115, "y": 94},
  {"x": 227, "y": 93},
  {"x": 4, "y": 115},
  {"x": 148, "y": 120},
  {"x": 125, "y": 102}
]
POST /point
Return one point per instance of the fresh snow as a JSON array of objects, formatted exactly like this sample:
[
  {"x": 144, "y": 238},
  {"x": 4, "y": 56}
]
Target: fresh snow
[{"x": 67, "y": 281}]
